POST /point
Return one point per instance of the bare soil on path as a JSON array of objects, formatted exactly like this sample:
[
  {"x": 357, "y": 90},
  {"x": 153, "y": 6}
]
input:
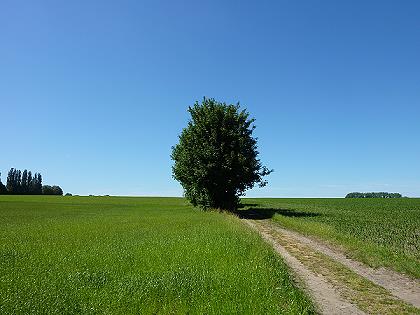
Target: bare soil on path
[{"x": 338, "y": 284}]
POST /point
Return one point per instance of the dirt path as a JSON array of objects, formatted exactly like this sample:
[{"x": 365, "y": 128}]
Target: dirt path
[
  {"x": 324, "y": 294},
  {"x": 338, "y": 284},
  {"x": 401, "y": 286}
]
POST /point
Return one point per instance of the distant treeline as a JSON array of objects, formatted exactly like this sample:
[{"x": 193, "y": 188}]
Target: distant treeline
[
  {"x": 24, "y": 183},
  {"x": 373, "y": 195}
]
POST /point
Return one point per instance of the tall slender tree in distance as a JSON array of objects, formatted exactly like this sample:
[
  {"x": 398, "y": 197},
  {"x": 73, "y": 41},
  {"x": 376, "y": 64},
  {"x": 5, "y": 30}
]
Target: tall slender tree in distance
[
  {"x": 3, "y": 189},
  {"x": 38, "y": 184},
  {"x": 12, "y": 183},
  {"x": 24, "y": 182},
  {"x": 30, "y": 183}
]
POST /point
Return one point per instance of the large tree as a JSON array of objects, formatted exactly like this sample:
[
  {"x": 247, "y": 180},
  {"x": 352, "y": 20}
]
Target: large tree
[{"x": 216, "y": 159}]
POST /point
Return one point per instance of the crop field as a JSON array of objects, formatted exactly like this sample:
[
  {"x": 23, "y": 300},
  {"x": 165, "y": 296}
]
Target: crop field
[
  {"x": 379, "y": 232},
  {"x": 114, "y": 255}
]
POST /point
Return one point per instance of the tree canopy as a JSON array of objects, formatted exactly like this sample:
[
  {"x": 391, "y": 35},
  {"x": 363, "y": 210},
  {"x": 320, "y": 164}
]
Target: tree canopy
[
  {"x": 52, "y": 190},
  {"x": 216, "y": 159}
]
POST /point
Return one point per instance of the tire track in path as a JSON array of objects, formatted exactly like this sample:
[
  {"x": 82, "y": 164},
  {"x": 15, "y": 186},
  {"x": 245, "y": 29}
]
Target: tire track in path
[{"x": 337, "y": 284}]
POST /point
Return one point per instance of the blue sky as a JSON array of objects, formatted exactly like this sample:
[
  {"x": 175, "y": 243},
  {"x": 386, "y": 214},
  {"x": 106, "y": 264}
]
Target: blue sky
[{"x": 93, "y": 94}]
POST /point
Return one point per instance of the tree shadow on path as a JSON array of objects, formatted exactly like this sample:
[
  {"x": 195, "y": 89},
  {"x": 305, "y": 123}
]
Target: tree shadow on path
[
  {"x": 267, "y": 213},
  {"x": 244, "y": 205}
]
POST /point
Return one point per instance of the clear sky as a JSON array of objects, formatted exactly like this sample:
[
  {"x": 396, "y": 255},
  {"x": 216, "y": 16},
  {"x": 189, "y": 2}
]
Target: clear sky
[{"x": 93, "y": 94}]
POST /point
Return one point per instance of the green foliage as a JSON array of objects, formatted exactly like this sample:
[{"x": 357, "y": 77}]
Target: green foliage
[
  {"x": 379, "y": 232},
  {"x": 52, "y": 190},
  {"x": 57, "y": 190},
  {"x": 216, "y": 159},
  {"x": 114, "y": 255},
  {"x": 373, "y": 195}
]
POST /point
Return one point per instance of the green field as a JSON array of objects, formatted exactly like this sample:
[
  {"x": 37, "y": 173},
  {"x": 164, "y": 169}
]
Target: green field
[
  {"x": 110, "y": 255},
  {"x": 379, "y": 232}
]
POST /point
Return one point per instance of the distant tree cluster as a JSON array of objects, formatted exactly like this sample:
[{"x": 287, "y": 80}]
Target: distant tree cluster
[
  {"x": 24, "y": 183},
  {"x": 373, "y": 195}
]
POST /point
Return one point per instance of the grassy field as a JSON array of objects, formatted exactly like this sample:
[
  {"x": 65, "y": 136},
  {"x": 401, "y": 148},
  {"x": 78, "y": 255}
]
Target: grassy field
[
  {"x": 379, "y": 232},
  {"x": 109, "y": 255}
]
